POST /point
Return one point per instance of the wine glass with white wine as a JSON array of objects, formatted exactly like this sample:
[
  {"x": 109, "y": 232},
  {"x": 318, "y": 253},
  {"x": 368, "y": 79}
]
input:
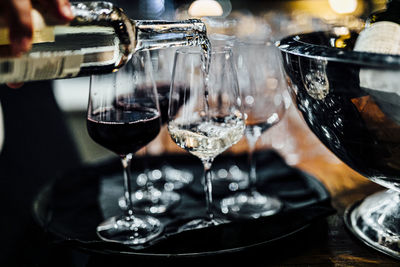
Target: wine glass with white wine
[{"x": 205, "y": 112}]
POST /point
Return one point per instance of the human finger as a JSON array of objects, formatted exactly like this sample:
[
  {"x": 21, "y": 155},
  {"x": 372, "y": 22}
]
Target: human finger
[
  {"x": 19, "y": 22},
  {"x": 58, "y": 11},
  {"x": 15, "y": 85}
]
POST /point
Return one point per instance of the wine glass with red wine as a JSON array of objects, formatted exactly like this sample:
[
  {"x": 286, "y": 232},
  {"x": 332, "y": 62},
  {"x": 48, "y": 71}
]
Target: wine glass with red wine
[{"x": 124, "y": 116}]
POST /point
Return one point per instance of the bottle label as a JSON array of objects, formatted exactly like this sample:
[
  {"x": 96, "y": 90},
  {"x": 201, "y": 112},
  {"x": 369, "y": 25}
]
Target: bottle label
[
  {"x": 382, "y": 37},
  {"x": 40, "y": 67},
  {"x": 44, "y": 35},
  {"x": 382, "y": 85}
]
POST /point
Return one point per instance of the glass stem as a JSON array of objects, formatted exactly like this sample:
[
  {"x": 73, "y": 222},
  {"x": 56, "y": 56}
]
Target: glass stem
[
  {"x": 148, "y": 186},
  {"x": 251, "y": 141},
  {"x": 208, "y": 188},
  {"x": 126, "y": 163}
]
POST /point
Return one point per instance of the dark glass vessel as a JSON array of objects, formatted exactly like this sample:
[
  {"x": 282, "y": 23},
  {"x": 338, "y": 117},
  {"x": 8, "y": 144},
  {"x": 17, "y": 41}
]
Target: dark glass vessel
[
  {"x": 391, "y": 13},
  {"x": 357, "y": 121},
  {"x": 351, "y": 102}
]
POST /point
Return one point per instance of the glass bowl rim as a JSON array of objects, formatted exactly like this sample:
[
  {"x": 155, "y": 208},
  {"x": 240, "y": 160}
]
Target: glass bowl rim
[{"x": 296, "y": 45}]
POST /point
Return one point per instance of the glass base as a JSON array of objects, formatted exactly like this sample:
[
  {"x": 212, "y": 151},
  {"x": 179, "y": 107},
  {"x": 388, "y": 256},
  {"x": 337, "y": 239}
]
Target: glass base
[
  {"x": 176, "y": 179},
  {"x": 230, "y": 180},
  {"x": 131, "y": 230},
  {"x": 152, "y": 201},
  {"x": 202, "y": 223},
  {"x": 250, "y": 205},
  {"x": 375, "y": 221}
]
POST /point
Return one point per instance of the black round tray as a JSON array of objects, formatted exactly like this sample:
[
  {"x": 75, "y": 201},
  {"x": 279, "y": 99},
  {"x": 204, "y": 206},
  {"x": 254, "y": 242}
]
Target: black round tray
[{"x": 71, "y": 207}]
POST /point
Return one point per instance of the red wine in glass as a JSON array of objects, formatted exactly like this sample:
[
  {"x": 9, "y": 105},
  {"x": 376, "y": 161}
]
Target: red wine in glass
[
  {"x": 163, "y": 90},
  {"x": 124, "y": 131}
]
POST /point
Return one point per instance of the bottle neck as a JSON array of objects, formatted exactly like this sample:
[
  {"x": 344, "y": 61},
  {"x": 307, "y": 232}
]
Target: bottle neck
[{"x": 155, "y": 34}]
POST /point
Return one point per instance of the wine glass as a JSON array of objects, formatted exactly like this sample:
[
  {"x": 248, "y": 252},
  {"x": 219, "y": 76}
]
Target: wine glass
[
  {"x": 205, "y": 113},
  {"x": 123, "y": 116},
  {"x": 157, "y": 194},
  {"x": 229, "y": 177},
  {"x": 260, "y": 79}
]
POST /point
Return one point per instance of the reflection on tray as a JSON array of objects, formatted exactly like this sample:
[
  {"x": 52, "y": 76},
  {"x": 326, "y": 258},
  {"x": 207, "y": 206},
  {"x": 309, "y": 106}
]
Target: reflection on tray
[{"x": 72, "y": 207}]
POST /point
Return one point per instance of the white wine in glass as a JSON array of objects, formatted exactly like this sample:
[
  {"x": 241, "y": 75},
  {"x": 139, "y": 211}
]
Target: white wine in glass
[{"x": 205, "y": 112}]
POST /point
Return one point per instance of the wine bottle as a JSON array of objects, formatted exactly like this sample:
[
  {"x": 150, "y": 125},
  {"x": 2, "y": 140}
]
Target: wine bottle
[
  {"x": 100, "y": 39},
  {"x": 382, "y": 31},
  {"x": 382, "y": 35}
]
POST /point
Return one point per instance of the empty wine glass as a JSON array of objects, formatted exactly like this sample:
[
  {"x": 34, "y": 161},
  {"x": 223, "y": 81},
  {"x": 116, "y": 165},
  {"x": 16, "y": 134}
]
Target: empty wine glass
[
  {"x": 205, "y": 113},
  {"x": 123, "y": 116},
  {"x": 157, "y": 194},
  {"x": 260, "y": 81}
]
